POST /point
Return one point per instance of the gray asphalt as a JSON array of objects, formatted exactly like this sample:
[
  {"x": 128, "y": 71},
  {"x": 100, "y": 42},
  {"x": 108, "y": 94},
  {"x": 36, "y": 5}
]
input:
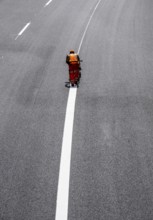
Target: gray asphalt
[{"x": 112, "y": 151}]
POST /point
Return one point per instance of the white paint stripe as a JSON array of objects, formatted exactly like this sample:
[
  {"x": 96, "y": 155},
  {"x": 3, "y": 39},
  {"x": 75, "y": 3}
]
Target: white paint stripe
[
  {"x": 26, "y": 26},
  {"x": 88, "y": 25},
  {"x": 21, "y": 32},
  {"x": 48, "y": 3},
  {"x": 64, "y": 173}
]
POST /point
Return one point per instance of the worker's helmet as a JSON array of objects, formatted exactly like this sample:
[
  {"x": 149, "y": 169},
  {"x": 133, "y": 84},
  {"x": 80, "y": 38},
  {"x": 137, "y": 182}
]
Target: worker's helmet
[{"x": 71, "y": 51}]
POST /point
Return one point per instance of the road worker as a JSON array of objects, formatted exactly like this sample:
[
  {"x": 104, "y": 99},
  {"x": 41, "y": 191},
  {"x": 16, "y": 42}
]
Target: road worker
[{"x": 73, "y": 60}]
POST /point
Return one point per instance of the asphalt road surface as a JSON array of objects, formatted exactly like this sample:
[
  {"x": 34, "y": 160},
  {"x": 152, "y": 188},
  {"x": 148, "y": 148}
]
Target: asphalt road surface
[{"x": 112, "y": 150}]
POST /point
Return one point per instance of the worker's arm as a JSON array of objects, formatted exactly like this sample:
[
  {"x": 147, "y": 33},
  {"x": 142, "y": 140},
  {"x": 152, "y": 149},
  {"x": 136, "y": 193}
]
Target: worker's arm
[
  {"x": 67, "y": 59},
  {"x": 78, "y": 58}
]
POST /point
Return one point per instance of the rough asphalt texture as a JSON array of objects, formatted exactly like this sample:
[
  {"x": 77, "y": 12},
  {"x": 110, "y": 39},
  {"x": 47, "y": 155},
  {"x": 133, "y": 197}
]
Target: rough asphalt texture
[{"x": 112, "y": 152}]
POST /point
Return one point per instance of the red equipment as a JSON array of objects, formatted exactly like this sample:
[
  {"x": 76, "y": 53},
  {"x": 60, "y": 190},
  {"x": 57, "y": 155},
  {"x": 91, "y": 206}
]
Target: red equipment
[{"x": 74, "y": 75}]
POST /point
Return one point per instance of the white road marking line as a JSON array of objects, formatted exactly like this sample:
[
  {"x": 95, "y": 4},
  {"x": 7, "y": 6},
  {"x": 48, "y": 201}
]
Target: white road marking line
[
  {"x": 88, "y": 25},
  {"x": 64, "y": 173},
  {"x": 21, "y": 32},
  {"x": 48, "y": 3},
  {"x": 26, "y": 26}
]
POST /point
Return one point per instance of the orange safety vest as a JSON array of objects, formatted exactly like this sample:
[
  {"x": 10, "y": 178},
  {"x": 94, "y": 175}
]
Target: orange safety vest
[{"x": 73, "y": 59}]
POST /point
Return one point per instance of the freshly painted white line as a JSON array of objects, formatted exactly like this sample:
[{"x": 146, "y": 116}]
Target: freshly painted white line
[
  {"x": 21, "y": 32},
  {"x": 48, "y": 3},
  {"x": 64, "y": 172}
]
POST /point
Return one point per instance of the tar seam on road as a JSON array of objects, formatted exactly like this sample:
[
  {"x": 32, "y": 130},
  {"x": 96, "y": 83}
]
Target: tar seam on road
[
  {"x": 23, "y": 29},
  {"x": 64, "y": 171}
]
